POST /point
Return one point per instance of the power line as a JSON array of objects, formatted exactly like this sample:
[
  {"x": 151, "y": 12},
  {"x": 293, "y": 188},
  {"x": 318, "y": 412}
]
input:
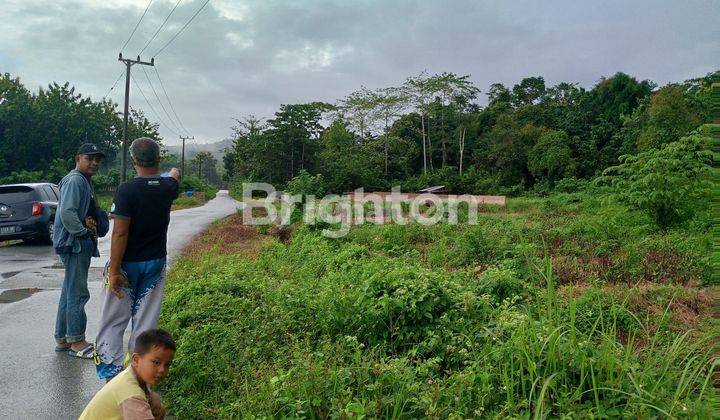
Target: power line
[
  {"x": 187, "y": 133},
  {"x": 136, "y": 26},
  {"x": 159, "y": 101},
  {"x": 114, "y": 84},
  {"x": 161, "y": 26},
  {"x": 137, "y": 85},
  {"x": 181, "y": 29}
]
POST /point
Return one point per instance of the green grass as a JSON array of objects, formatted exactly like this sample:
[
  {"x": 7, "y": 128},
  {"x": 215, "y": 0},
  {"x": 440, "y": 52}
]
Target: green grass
[
  {"x": 182, "y": 202},
  {"x": 105, "y": 200},
  {"x": 507, "y": 318}
]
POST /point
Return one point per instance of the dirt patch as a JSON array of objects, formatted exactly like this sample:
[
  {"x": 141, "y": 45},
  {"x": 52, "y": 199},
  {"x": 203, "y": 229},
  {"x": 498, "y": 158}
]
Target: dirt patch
[
  {"x": 665, "y": 266},
  {"x": 282, "y": 233},
  {"x": 690, "y": 307},
  {"x": 226, "y": 236}
]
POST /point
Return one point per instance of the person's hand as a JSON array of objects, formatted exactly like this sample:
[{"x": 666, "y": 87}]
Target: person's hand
[
  {"x": 91, "y": 225},
  {"x": 175, "y": 173},
  {"x": 156, "y": 406},
  {"x": 115, "y": 282}
]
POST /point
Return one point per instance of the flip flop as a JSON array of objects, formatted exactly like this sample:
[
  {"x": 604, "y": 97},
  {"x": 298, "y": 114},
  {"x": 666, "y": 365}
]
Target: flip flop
[{"x": 85, "y": 353}]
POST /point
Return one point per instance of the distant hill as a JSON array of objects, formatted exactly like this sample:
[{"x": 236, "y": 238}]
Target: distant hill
[{"x": 191, "y": 149}]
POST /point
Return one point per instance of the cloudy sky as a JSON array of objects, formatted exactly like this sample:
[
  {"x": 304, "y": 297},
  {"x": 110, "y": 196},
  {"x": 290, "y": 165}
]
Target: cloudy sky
[{"x": 242, "y": 57}]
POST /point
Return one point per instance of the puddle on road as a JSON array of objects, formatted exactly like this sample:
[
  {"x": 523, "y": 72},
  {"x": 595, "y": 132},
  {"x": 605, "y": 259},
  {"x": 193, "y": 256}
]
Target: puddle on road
[{"x": 14, "y": 295}]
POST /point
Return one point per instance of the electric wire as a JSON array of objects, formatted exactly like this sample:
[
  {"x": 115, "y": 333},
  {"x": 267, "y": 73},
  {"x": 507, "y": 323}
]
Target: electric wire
[
  {"x": 181, "y": 29},
  {"x": 160, "y": 28},
  {"x": 137, "y": 85},
  {"x": 159, "y": 101},
  {"x": 172, "y": 108},
  {"x": 113, "y": 85},
  {"x": 135, "y": 28}
]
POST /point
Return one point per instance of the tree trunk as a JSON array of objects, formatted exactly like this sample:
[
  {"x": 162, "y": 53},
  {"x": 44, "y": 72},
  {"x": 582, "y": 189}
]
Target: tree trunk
[
  {"x": 422, "y": 129},
  {"x": 429, "y": 145},
  {"x": 386, "y": 147},
  {"x": 442, "y": 131},
  {"x": 462, "y": 148},
  {"x": 292, "y": 161}
]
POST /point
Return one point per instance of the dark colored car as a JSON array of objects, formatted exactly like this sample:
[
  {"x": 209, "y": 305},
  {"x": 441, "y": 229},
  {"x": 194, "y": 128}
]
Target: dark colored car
[{"x": 27, "y": 211}]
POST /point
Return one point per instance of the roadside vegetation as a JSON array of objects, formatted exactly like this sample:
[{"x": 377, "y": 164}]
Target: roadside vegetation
[
  {"x": 576, "y": 305},
  {"x": 202, "y": 192},
  {"x": 591, "y": 294}
]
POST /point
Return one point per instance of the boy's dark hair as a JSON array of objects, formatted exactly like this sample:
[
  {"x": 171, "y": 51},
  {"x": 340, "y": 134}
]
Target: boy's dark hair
[{"x": 152, "y": 338}]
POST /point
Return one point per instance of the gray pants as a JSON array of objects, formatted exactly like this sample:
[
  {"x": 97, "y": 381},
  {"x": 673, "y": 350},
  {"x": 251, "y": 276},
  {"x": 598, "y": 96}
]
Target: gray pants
[{"x": 141, "y": 303}]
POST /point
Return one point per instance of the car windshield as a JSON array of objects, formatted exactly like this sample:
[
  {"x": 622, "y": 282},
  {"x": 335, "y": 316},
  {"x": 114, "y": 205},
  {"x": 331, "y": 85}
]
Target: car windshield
[{"x": 15, "y": 194}]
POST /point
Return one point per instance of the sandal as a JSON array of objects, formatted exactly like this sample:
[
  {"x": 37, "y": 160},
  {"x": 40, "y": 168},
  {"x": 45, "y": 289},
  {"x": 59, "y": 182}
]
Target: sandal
[{"x": 85, "y": 353}]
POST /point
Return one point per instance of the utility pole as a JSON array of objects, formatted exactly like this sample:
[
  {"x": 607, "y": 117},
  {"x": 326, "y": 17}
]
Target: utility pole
[
  {"x": 128, "y": 63},
  {"x": 182, "y": 166}
]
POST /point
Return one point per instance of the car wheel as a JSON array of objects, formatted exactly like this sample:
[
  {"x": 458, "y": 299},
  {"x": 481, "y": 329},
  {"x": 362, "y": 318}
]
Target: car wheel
[{"x": 47, "y": 238}]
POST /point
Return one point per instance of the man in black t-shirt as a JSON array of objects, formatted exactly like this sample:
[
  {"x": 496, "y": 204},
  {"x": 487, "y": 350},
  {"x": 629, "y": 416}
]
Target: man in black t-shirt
[{"x": 135, "y": 274}]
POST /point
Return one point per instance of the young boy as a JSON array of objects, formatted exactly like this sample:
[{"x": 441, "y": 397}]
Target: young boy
[{"x": 127, "y": 395}]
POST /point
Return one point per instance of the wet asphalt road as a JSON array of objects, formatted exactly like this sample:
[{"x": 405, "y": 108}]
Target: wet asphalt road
[{"x": 36, "y": 382}]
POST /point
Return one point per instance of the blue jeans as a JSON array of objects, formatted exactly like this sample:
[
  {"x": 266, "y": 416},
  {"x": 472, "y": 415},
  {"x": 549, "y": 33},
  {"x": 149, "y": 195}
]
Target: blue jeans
[{"x": 71, "y": 319}]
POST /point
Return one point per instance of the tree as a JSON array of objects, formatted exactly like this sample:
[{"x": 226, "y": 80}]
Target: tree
[
  {"x": 551, "y": 158},
  {"x": 528, "y": 92},
  {"x": 358, "y": 109},
  {"x": 205, "y": 165},
  {"x": 50, "y": 124},
  {"x": 507, "y": 150},
  {"x": 670, "y": 184},
  {"x": 610, "y": 100},
  {"x": 418, "y": 89},
  {"x": 387, "y": 104},
  {"x": 449, "y": 89},
  {"x": 345, "y": 163},
  {"x": 297, "y": 127},
  {"x": 669, "y": 115},
  {"x": 245, "y": 129},
  {"x": 500, "y": 96}
]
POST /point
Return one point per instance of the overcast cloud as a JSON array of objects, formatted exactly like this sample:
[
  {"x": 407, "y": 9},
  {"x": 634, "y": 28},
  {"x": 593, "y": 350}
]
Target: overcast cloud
[{"x": 247, "y": 57}]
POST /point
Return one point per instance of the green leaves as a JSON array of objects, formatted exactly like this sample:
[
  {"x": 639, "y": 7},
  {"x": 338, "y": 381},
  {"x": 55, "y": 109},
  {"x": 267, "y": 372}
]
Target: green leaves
[{"x": 670, "y": 184}]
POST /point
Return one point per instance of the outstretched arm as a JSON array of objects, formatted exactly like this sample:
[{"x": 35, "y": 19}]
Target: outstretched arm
[{"x": 175, "y": 173}]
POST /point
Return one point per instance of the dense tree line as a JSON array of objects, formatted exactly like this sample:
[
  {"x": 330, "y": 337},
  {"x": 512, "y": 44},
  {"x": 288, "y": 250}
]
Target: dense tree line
[
  {"x": 40, "y": 131},
  {"x": 432, "y": 130}
]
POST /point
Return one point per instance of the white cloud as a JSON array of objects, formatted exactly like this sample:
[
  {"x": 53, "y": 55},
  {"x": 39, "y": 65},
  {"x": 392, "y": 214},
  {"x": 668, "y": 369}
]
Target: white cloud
[
  {"x": 310, "y": 57},
  {"x": 232, "y": 9},
  {"x": 240, "y": 40}
]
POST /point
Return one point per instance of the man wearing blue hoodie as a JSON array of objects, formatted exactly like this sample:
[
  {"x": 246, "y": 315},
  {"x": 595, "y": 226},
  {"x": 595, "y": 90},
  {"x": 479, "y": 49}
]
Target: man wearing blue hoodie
[{"x": 78, "y": 224}]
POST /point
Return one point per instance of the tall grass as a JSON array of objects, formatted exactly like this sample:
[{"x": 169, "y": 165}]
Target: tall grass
[{"x": 429, "y": 321}]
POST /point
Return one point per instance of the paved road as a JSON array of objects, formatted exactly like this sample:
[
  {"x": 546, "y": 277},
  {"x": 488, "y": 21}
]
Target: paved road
[{"x": 35, "y": 382}]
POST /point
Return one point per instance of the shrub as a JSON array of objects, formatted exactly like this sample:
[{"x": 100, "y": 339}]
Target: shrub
[
  {"x": 671, "y": 184},
  {"x": 306, "y": 184},
  {"x": 193, "y": 183},
  {"x": 442, "y": 321}
]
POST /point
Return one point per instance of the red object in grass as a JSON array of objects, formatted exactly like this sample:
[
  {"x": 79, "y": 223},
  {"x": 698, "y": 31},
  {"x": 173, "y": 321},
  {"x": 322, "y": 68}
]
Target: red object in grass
[{"x": 37, "y": 209}]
